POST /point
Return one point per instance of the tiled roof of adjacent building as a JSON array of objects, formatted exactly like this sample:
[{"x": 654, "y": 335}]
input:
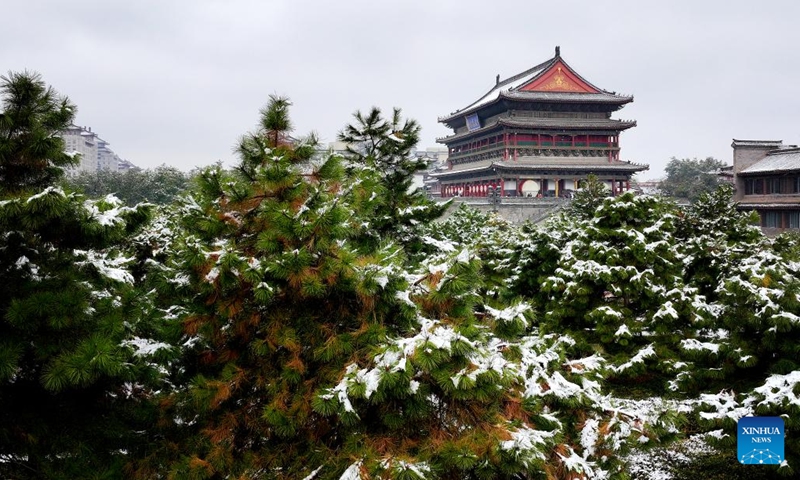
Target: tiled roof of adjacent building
[
  {"x": 784, "y": 160},
  {"x": 757, "y": 143}
]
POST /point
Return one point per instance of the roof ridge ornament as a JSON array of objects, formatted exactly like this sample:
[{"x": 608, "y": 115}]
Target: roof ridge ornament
[{"x": 558, "y": 51}]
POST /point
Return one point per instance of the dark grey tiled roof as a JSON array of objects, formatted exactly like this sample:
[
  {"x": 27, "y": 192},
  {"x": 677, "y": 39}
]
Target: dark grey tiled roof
[
  {"x": 583, "y": 123},
  {"x": 570, "y": 97},
  {"x": 531, "y": 167},
  {"x": 786, "y": 160},
  {"x": 508, "y": 89},
  {"x": 546, "y": 123},
  {"x": 756, "y": 143}
]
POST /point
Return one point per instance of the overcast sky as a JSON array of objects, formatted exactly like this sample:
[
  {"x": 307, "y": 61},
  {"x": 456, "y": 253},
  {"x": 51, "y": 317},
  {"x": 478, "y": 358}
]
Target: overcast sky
[{"x": 177, "y": 82}]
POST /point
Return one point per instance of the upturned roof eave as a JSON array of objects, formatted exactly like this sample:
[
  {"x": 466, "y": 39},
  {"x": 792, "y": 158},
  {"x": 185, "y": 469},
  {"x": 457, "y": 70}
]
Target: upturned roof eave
[
  {"x": 612, "y": 99},
  {"x": 537, "y": 72},
  {"x": 629, "y": 167},
  {"x": 621, "y": 125},
  {"x": 542, "y": 67}
]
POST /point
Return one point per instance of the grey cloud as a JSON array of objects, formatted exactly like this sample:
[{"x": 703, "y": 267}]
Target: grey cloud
[{"x": 177, "y": 82}]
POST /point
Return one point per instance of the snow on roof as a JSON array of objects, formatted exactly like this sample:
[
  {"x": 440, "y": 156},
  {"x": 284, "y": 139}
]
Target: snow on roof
[
  {"x": 510, "y": 88},
  {"x": 777, "y": 161},
  {"x": 508, "y": 84},
  {"x": 756, "y": 143}
]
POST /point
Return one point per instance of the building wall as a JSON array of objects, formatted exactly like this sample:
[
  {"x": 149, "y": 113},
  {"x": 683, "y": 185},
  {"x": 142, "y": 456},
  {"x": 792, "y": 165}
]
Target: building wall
[
  {"x": 85, "y": 143},
  {"x": 773, "y": 195},
  {"x": 743, "y": 157},
  {"x": 95, "y": 153},
  {"x": 106, "y": 158},
  {"x": 515, "y": 210}
]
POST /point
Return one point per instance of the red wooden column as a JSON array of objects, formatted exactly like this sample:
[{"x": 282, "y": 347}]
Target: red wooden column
[{"x": 516, "y": 145}]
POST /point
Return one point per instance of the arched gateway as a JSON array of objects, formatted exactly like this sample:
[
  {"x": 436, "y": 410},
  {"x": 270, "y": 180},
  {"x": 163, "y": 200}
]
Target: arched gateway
[{"x": 537, "y": 133}]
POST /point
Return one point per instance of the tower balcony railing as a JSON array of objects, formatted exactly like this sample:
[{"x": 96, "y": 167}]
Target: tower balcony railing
[{"x": 526, "y": 145}]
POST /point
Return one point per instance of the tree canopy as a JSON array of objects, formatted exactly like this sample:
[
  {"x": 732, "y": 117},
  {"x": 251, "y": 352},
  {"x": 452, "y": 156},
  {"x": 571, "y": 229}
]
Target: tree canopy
[
  {"x": 32, "y": 117},
  {"x": 71, "y": 378},
  {"x": 383, "y": 148},
  {"x": 691, "y": 177},
  {"x": 160, "y": 185},
  {"x": 281, "y": 321}
]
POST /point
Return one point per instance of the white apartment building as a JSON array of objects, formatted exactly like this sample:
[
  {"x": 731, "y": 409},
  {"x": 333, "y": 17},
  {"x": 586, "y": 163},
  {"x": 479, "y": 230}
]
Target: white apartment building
[
  {"x": 82, "y": 141},
  {"x": 108, "y": 160},
  {"x": 95, "y": 153}
]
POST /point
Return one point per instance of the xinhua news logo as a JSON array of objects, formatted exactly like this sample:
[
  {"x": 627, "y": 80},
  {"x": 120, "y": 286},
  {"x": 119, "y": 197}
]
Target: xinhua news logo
[{"x": 759, "y": 440}]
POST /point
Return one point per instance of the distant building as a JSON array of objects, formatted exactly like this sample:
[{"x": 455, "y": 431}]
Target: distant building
[
  {"x": 107, "y": 160},
  {"x": 82, "y": 141},
  {"x": 336, "y": 148},
  {"x": 537, "y": 133},
  {"x": 434, "y": 155},
  {"x": 436, "y": 159},
  {"x": 95, "y": 153},
  {"x": 766, "y": 176},
  {"x": 650, "y": 187},
  {"x": 124, "y": 166}
]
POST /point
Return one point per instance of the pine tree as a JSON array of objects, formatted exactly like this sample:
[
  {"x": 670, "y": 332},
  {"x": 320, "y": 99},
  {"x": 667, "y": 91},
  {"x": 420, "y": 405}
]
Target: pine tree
[
  {"x": 309, "y": 355},
  {"x": 611, "y": 276},
  {"x": 383, "y": 147},
  {"x": 32, "y": 117},
  {"x": 591, "y": 194},
  {"x": 744, "y": 359},
  {"x": 71, "y": 364},
  {"x": 69, "y": 373}
]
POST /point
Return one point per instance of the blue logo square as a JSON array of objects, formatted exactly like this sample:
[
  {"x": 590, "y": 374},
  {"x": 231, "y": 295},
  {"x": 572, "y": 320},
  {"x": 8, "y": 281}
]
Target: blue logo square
[{"x": 759, "y": 440}]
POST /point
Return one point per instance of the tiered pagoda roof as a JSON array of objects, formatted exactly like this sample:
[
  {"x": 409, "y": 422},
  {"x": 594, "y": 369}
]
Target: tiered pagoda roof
[
  {"x": 553, "y": 81},
  {"x": 545, "y": 128},
  {"x": 584, "y": 124},
  {"x": 553, "y": 164}
]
